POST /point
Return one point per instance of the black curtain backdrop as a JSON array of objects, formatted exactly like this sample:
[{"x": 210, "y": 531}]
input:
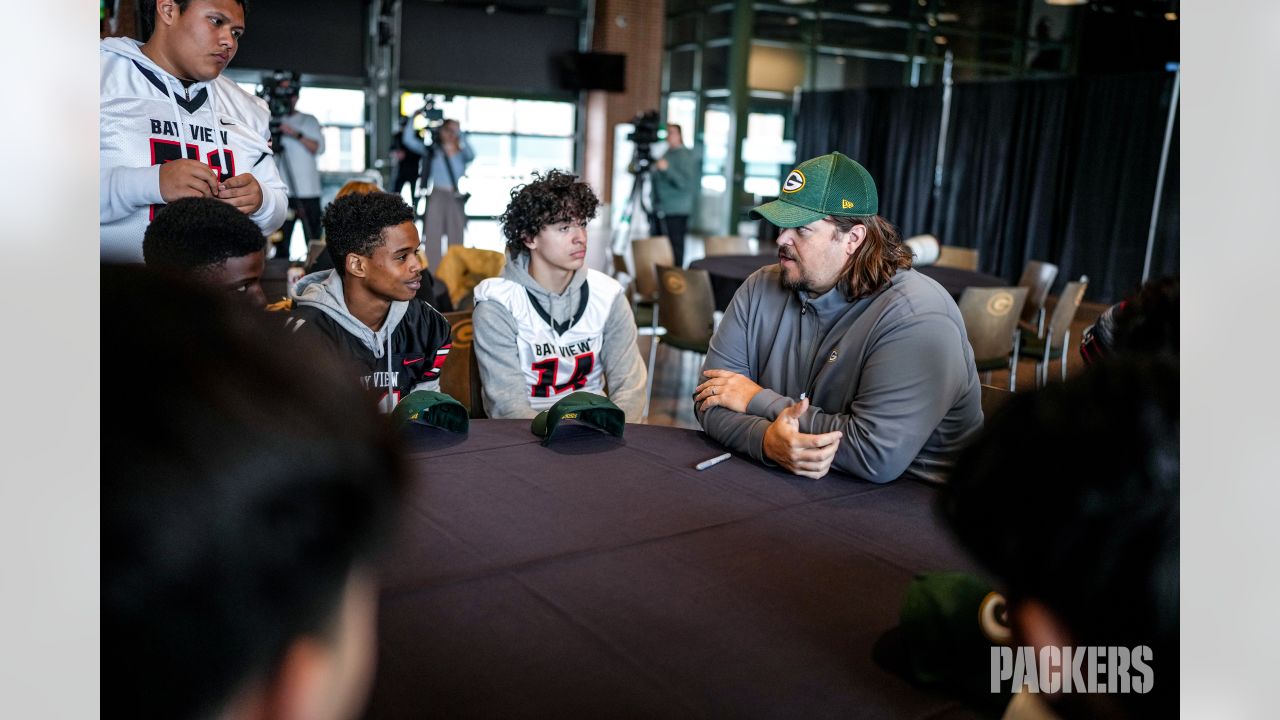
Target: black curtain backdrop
[
  {"x": 1057, "y": 170},
  {"x": 892, "y": 132}
]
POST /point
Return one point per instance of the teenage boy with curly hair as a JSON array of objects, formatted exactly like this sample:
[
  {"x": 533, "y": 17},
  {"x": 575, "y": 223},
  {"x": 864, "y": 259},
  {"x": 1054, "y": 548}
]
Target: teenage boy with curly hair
[
  {"x": 549, "y": 326},
  {"x": 366, "y": 306}
]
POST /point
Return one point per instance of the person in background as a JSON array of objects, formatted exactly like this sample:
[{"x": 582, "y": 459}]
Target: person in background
[
  {"x": 301, "y": 142},
  {"x": 550, "y": 326},
  {"x": 244, "y": 508},
  {"x": 408, "y": 165},
  {"x": 210, "y": 242},
  {"x": 675, "y": 183},
  {"x": 172, "y": 126},
  {"x": 444, "y": 162}
]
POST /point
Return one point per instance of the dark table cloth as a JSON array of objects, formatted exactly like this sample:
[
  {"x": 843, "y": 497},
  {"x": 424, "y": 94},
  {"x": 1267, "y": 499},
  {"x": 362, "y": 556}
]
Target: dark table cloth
[
  {"x": 728, "y": 272},
  {"x": 605, "y": 577}
]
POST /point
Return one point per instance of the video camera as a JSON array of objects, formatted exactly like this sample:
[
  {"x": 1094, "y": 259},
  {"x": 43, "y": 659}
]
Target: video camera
[
  {"x": 278, "y": 89},
  {"x": 433, "y": 115},
  {"x": 647, "y": 132}
]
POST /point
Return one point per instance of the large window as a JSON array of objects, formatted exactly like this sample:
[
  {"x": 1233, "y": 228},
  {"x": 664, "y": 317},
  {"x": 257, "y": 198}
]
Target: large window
[{"x": 512, "y": 138}]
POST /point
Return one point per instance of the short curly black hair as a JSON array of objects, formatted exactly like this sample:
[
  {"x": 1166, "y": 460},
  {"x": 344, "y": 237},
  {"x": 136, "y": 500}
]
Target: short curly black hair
[
  {"x": 354, "y": 224},
  {"x": 547, "y": 200},
  {"x": 194, "y": 234}
]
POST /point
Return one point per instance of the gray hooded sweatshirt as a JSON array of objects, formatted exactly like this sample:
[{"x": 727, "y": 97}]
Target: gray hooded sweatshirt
[{"x": 506, "y": 394}]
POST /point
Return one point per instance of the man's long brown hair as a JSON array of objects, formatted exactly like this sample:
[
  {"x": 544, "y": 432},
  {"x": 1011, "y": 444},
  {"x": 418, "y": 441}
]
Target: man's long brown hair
[{"x": 876, "y": 261}]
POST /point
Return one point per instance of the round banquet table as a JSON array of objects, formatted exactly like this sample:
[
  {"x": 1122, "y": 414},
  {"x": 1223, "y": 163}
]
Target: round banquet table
[
  {"x": 728, "y": 272},
  {"x": 606, "y": 577}
]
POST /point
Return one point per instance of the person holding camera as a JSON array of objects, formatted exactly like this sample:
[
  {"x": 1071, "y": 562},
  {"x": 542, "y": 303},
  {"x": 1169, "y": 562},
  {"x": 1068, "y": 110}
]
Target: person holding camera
[
  {"x": 173, "y": 126},
  {"x": 675, "y": 179},
  {"x": 444, "y": 162},
  {"x": 300, "y": 142}
]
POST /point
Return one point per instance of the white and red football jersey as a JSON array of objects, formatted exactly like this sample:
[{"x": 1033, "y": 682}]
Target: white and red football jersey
[{"x": 147, "y": 117}]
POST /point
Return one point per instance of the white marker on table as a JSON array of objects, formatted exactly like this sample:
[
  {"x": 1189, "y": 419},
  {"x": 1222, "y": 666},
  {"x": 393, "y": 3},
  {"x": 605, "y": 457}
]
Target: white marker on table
[{"x": 713, "y": 461}]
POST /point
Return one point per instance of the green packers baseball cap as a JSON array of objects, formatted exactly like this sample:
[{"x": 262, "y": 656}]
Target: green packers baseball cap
[
  {"x": 833, "y": 184},
  {"x": 948, "y": 624},
  {"x": 585, "y": 407},
  {"x": 431, "y": 408}
]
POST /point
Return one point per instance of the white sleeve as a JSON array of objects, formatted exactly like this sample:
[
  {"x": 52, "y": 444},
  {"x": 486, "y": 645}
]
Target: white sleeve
[
  {"x": 275, "y": 195},
  {"x": 122, "y": 190}
]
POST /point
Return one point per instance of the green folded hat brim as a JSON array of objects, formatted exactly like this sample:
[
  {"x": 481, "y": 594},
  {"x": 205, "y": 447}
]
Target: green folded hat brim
[
  {"x": 785, "y": 215},
  {"x": 607, "y": 420}
]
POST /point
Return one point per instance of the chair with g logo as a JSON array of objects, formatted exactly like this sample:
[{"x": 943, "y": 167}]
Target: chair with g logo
[{"x": 991, "y": 322}]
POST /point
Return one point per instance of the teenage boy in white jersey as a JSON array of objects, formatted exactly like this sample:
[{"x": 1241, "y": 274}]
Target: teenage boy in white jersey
[
  {"x": 173, "y": 127},
  {"x": 550, "y": 326}
]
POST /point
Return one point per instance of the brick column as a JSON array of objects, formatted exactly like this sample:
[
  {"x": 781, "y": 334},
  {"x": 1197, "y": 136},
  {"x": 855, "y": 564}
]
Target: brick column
[{"x": 634, "y": 28}]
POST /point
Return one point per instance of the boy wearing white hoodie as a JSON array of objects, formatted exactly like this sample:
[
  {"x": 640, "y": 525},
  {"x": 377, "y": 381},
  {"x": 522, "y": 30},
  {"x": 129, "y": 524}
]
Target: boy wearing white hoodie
[
  {"x": 172, "y": 127},
  {"x": 366, "y": 307}
]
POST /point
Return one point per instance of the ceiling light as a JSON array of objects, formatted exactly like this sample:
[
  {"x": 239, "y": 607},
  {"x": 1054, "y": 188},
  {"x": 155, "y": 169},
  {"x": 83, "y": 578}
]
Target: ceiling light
[
  {"x": 873, "y": 8},
  {"x": 948, "y": 17},
  {"x": 1067, "y": 2},
  {"x": 940, "y": 39},
  {"x": 793, "y": 20},
  {"x": 1171, "y": 16}
]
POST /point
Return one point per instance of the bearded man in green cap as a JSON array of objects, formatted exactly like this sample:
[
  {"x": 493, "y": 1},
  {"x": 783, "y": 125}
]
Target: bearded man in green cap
[{"x": 840, "y": 356}]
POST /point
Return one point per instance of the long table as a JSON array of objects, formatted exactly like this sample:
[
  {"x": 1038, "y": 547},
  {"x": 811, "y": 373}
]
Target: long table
[
  {"x": 606, "y": 577},
  {"x": 728, "y": 272}
]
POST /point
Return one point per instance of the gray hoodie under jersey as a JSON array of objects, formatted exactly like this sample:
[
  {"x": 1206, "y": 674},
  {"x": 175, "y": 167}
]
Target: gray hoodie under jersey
[{"x": 506, "y": 395}]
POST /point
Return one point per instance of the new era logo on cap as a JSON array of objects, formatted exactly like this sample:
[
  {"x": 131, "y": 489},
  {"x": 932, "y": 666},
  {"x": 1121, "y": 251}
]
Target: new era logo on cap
[{"x": 832, "y": 184}]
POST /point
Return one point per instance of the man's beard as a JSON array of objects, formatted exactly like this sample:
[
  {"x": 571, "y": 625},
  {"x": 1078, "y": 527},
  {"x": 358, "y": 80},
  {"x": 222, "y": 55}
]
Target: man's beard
[{"x": 801, "y": 283}]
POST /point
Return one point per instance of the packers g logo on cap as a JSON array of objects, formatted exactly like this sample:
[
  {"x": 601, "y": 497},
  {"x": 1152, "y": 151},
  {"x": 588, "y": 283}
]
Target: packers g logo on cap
[{"x": 794, "y": 182}]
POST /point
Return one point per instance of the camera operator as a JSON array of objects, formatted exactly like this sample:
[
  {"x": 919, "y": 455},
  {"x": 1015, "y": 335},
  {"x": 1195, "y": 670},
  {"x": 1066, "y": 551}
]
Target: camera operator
[
  {"x": 408, "y": 164},
  {"x": 444, "y": 162},
  {"x": 301, "y": 141},
  {"x": 675, "y": 179}
]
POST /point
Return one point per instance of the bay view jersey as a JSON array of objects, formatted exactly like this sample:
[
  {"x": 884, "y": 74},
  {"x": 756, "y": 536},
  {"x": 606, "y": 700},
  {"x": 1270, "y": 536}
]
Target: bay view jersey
[
  {"x": 557, "y": 361},
  {"x": 412, "y": 350},
  {"x": 148, "y": 118}
]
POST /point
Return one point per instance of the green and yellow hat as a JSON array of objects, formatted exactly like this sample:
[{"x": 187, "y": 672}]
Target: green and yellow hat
[
  {"x": 585, "y": 407},
  {"x": 833, "y": 184},
  {"x": 423, "y": 407}
]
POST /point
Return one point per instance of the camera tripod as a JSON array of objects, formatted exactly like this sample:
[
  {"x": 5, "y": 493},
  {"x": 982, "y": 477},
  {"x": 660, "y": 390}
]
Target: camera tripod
[{"x": 621, "y": 242}]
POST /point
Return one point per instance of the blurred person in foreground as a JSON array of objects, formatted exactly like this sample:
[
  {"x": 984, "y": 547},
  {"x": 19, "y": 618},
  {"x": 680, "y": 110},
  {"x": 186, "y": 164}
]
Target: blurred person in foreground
[
  {"x": 1070, "y": 498},
  {"x": 243, "y": 507}
]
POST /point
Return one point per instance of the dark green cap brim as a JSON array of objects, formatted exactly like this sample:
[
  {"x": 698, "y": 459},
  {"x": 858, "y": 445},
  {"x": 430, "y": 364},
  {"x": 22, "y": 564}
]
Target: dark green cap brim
[
  {"x": 432, "y": 408},
  {"x": 786, "y": 215},
  {"x": 587, "y": 408}
]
